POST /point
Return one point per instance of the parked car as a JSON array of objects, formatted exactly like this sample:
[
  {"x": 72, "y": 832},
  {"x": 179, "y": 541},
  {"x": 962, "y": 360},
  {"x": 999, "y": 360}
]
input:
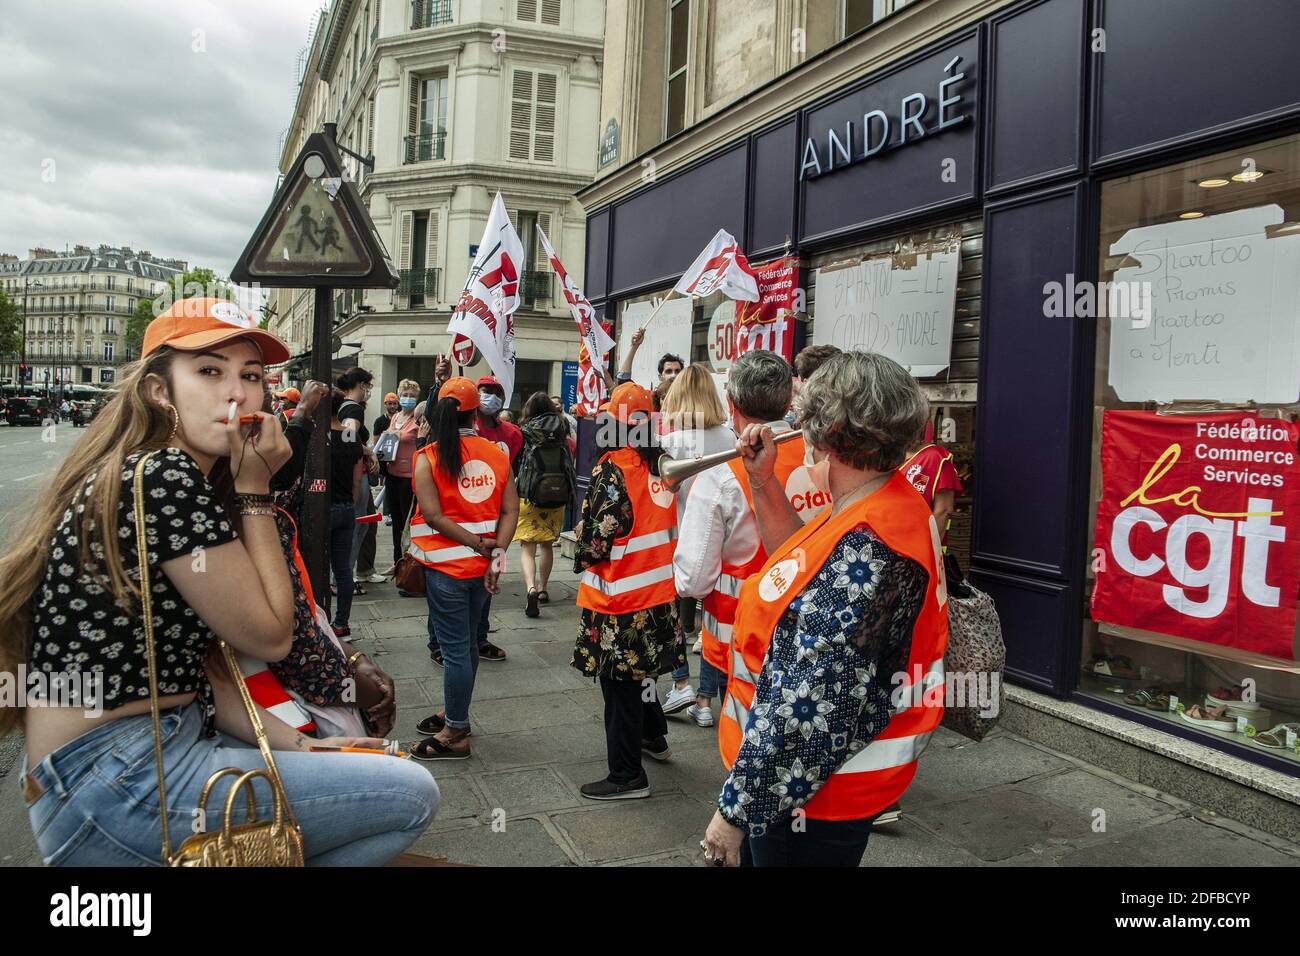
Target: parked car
[{"x": 26, "y": 410}]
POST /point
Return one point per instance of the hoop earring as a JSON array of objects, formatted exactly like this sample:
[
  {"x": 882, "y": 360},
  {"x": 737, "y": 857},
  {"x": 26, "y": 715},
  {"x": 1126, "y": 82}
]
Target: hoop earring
[{"x": 176, "y": 421}]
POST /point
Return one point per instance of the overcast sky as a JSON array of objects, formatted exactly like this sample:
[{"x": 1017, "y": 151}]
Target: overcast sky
[{"x": 149, "y": 133}]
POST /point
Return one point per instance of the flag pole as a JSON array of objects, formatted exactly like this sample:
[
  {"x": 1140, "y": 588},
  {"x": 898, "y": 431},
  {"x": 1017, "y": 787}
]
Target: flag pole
[{"x": 671, "y": 293}]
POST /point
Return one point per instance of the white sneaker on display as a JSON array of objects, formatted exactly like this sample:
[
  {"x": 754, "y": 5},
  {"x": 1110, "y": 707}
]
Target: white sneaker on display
[
  {"x": 679, "y": 699},
  {"x": 702, "y": 715},
  {"x": 698, "y": 646}
]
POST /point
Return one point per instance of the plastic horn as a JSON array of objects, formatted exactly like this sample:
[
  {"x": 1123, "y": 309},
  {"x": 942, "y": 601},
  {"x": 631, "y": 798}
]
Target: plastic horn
[{"x": 673, "y": 471}]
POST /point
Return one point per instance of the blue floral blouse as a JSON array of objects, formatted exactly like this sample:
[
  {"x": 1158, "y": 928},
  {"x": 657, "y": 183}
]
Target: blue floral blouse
[{"x": 823, "y": 693}]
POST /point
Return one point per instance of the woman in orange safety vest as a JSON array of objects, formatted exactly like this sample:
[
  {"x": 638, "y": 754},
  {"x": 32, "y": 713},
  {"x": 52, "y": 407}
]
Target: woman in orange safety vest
[
  {"x": 630, "y": 633},
  {"x": 465, "y": 505},
  {"x": 841, "y": 632}
]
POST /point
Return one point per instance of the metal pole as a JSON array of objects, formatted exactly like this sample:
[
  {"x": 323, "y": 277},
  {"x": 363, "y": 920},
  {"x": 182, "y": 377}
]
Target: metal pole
[{"x": 316, "y": 476}]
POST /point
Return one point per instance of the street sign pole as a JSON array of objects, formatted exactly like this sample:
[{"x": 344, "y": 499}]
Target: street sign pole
[{"x": 316, "y": 501}]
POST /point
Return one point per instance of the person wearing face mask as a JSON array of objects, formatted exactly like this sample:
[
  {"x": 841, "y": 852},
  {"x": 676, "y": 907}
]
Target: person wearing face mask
[
  {"x": 357, "y": 384},
  {"x": 398, "y": 496},
  {"x": 718, "y": 545},
  {"x": 845, "y": 604}
]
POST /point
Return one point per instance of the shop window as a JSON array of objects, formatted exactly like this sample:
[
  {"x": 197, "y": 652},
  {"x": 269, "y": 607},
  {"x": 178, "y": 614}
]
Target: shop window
[
  {"x": 530, "y": 376},
  {"x": 1193, "y": 540},
  {"x": 679, "y": 18}
]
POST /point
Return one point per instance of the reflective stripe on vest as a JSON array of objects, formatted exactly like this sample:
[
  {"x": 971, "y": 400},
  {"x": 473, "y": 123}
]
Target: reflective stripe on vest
[
  {"x": 729, "y": 585},
  {"x": 638, "y": 573},
  {"x": 877, "y": 775},
  {"x": 269, "y": 694},
  {"x": 721, "y": 632},
  {"x": 472, "y": 500}
]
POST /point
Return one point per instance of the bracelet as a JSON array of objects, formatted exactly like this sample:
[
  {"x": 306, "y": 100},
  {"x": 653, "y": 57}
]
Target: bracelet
[
  {"x": 353, "y": 659},
  {"x": 256, "y": 511},
  {"x": 248, "y": 498}
]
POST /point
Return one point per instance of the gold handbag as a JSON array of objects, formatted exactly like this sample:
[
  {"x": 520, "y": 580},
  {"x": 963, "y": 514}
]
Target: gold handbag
[{"x": 274, "y": 842}]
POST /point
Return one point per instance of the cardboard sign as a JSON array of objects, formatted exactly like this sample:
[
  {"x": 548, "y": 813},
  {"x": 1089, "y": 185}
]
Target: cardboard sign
[
  {"x": 1198, "y": 528},
  {"x": 670, "y": 332}
]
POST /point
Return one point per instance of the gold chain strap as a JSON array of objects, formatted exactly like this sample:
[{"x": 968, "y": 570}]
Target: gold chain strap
[{"x": 146, "y": 588}]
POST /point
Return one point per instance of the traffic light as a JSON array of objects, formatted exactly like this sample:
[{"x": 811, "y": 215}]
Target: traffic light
[{"x": 24, "y": 373}]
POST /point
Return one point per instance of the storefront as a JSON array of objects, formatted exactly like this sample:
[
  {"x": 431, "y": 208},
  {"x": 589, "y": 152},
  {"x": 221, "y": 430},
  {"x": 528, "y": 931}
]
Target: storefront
[{"x": 962, "y": 207}]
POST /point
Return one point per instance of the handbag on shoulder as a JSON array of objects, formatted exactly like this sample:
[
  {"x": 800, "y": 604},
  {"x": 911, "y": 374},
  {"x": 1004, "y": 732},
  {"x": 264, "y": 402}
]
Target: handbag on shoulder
[
  {"x": 273, "y": 842},
  {"x": 975, "y": 657}
]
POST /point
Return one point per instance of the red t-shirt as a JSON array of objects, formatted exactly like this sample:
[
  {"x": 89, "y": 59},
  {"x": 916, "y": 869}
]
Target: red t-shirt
[
  {"x": 507, "y": 436},
  {"x": 930, "y": 471}
]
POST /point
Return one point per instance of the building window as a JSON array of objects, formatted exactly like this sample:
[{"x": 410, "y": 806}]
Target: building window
[
  {"x": 89, "y": 350},
  {"x": 108, "y": 351},
  {"x": 534, "y": 281},
  {"x": 110, "y": 302},
  {"x": 1194, "y": 259},
  {"x": 538, "y": 11},
  {"x": 429, "y": 13},
  {"x": 679, "y": 17},
  {"x": 426, "y": 123},
  {"x": 532, "y": 116},
  {"x": 418, "y": 254},
  {"x": 860, "y": 14},
  {"x": 112, "y": 282},
  {"x": 109, "y": 325}
]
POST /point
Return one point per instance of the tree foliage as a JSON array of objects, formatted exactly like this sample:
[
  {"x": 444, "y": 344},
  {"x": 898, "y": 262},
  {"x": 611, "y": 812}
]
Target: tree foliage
[
  {"x": 11, "y": 326},
  {"x": 197, "y": 282}
]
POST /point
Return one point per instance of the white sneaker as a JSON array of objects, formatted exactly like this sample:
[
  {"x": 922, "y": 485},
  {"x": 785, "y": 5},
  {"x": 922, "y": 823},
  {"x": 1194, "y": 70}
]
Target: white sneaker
[
  {"x": 698, "y": 646},
  {"x": 702, "y": 715},
  {"x": 679, "y": 699},
  {"x": 376, "y": 578}
]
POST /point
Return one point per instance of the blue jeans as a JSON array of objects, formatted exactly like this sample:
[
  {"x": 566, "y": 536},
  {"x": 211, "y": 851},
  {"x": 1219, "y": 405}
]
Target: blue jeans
[
  {"x": 100, "y": 805},
  {"x": 361, "y": 507},
  {"x": 343, "y": 521},
  {"x": 686, "y": 611},
  {"x": 713, "y": 682},
  {"x": 482, "y": 625},
  {"x": 456, "y": 611}
]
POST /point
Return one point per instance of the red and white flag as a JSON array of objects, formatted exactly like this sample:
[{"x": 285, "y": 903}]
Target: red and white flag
[
  {"x": 596, "y": 342},
  {"x": 491, "y": 295},
  {"x": 721, "y": 267}
]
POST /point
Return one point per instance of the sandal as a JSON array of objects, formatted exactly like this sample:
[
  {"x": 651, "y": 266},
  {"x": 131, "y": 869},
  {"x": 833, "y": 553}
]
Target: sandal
[
  {"x": 1212, "y": 717},
  {"x": 358, "y": 588},
  {"x": 543, "y": 597},
  {"x": 532, "y": 610},
  {"x": 1159, "y": 702},
  {"x": 431, "y": 748},
  {"x": 487, "y": 651},
  {"x": 1143, "y": 697},
  {"x": 435, "y": 655},
  {"x": 433, "y": 725},
  {"x": 1275, "y": 737}
]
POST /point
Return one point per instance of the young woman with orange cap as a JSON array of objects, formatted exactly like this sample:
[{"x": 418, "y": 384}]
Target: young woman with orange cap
[
  {"x": 466, "y": 511},
  {"x": 630, "y": 633},
  {"x": 71, "y": 607}
]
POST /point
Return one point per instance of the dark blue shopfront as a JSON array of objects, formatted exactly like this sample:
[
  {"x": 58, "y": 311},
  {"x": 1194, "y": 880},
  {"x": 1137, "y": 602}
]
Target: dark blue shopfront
[{"x": 1016, "y": 119}]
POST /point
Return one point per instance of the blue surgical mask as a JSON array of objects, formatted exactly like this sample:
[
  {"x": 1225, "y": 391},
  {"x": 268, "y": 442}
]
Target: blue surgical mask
[
  {"x": 408, "y": 402},
  {"x": 490, "y": 402}
]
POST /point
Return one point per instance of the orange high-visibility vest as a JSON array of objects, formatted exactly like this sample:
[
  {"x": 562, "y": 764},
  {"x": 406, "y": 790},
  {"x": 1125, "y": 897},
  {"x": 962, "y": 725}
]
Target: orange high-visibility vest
[
  {"x": 876, "y": 776},
  {"x": 720, "y": 603},
  {"x": 472, "y": 500},
  {"x": 639, "y": 571}
]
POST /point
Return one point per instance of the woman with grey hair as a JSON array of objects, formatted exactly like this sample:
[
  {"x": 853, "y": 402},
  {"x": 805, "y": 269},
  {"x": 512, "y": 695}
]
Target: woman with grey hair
[{"x": 848, "y": 608}]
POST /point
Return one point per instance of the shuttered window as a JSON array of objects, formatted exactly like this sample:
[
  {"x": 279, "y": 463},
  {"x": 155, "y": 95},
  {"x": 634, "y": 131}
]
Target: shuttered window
[
  {"x": 528, "y": 11},
  {"x": 532, "y": 116},
  {"x": 431, "y": 262},
  {"x": 370, "y": 127}
]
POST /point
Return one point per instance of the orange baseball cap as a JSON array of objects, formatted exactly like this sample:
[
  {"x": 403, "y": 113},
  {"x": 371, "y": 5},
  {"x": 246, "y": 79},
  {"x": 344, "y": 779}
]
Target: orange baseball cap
[
  {"x": 291, "y": 393},
  {"x": 461, "y": 389},
  {"x": 628, "y": 399},
  {"x": 194, "y": 324},
  {"x": 390, "y": 397}
]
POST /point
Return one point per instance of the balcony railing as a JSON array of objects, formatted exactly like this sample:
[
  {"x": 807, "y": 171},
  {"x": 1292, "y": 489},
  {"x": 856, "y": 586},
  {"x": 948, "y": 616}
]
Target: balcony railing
[
  {"x": 419, "y": 282},
  {"x": 429, "y": 13},
  {"x": 535, "y": 286},
  {"x": 427, "y": 146}
]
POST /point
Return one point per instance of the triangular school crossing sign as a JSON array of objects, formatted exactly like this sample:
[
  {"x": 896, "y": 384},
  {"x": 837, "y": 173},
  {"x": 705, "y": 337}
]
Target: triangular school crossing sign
[{"x": 317, "y": 231}]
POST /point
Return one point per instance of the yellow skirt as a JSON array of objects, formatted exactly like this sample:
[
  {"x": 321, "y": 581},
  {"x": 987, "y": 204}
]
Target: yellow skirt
[{"x": 538, "y": 525}]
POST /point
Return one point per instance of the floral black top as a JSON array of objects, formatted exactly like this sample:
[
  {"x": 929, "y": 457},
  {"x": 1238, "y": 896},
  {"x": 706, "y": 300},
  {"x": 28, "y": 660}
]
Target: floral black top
[
  {"x": 78, "y": 625},
  {"x": 824, "y": 691},
  {"x": 620, "y": 646}
]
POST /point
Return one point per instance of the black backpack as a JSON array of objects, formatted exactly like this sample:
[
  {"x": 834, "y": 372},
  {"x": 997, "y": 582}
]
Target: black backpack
[{"x": 546, "y": 478}]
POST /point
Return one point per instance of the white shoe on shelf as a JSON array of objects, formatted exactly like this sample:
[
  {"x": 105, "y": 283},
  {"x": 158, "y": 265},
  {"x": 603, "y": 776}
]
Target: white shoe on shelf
[
  {"x": 679, "y": 699},
  {"x": 701, "y": 714},
  {"x": 698, "y": 646}
]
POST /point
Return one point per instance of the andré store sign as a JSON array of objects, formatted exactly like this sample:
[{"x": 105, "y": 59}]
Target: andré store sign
[{"x": 1198, "y": 528}]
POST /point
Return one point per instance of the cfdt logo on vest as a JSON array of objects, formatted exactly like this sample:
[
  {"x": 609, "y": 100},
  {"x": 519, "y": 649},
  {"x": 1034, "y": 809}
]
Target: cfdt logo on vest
[
  {"x": 805, "y": 497},
  {"x": 660, "y": 493},
  {"x": 477, "y": 481}
]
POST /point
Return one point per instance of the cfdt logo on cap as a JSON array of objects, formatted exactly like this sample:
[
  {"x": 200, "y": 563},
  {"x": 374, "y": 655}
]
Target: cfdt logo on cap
[{"x": 231, "y": 314}]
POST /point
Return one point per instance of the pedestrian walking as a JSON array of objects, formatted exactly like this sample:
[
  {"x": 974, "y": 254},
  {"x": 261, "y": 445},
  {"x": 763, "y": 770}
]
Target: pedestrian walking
[
  {"x": 73, "y": 606},
  {"x": 466, "y": 511},
  {"x": 630, "y": 633},
  {"x": 347, "y": 471},
  {"x": 545, "y": 483},
  {"x": 842, "y": 605}
]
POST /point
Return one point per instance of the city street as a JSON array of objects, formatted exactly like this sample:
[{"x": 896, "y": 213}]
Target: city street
[{"x": 27, "y": 460}]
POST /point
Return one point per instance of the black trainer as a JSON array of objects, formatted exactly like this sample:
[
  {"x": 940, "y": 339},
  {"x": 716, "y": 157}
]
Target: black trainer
[
  {"x": 608, "y": 790},
  {"x": 657, "y": 748}
]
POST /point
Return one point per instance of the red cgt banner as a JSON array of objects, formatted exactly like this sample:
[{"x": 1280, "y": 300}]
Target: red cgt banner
[
  {"x": 1198, "y": 528},
  {"x": 769, "y": 322}
]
